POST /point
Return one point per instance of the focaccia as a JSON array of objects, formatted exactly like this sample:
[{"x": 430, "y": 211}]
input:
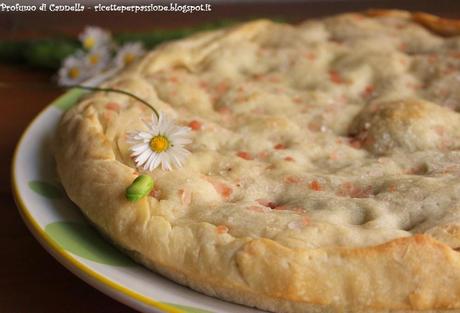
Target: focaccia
[{"x": 324, "y": 173}]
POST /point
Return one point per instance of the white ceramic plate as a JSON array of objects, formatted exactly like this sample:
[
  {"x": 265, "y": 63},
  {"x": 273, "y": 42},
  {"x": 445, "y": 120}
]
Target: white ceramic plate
[{"x": 60, "y": 228}]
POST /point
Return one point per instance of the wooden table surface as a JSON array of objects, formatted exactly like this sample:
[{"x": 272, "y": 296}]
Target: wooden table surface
[{"x": 31, "y": 280}]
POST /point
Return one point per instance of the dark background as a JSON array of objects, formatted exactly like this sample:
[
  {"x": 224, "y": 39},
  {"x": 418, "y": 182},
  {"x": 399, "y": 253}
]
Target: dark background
[{"x": 32, "y": 281}]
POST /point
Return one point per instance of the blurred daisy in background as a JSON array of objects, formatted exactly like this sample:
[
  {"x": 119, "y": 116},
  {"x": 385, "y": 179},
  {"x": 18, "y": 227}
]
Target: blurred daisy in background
[
  {"x": 94, "y": 37},
  {"x": 74, "y": 70},
  {"x": 128, "y": 53},
  {"x": 98, "y": 58}
]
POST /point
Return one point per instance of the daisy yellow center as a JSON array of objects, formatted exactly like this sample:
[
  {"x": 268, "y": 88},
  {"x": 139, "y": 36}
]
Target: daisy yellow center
[
  {"x": 89, "y": 42},
  {"x": 128, "y": 58},
  {"x": 94, "y": 59},
  {"x": 74, "y": 72},
  {"x": 159, "y": 143}
]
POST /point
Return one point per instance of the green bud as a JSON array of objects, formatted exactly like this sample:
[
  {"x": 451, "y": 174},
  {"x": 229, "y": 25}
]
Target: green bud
[{"x": 140, "y": 187}]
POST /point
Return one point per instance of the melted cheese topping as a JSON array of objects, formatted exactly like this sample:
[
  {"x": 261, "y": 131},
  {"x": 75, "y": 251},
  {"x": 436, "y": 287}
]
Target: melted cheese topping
[{"x": 339, "y": 132}]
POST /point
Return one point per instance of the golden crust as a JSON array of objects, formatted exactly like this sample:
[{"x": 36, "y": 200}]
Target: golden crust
[
  {"x": 442, "y": 26},
  {"x": 257, "y": 254},
  {"x": 303, "y": 278},
  {"x": 365, "y": 258},
  {"x": 384, "y": 12}
]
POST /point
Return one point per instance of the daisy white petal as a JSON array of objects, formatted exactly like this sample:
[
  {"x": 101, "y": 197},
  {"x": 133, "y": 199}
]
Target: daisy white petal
[
  {"x": 98, "y": 59},
  {"x": 156, "y": 162},
  {"x": 129, "y": 53},
  {"x": 161, "y": 145},
  {"x": 166, "y": 162},
  {"x": 181, "y": 151},
  {"x": 94, "y": 37},
  {"x": 138, "y": 149},
  {"x": 177, "y": 160},
  {"x": 162, "y": 123},
  {"x": 143, "y": 156},
  {"x": 144, "y": 135},
  {"x": 74, "y": 70},
  {"x": 149, "y": 165}
]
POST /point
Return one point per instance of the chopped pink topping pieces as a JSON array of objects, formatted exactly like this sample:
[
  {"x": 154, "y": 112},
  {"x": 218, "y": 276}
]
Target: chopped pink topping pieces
[
  {"x": 185, "y": 196},
  {"x": 245, "y": 155},
  {"x": 221, "y": 229},
  {"x": 224, "y": 110},
  {"x": 297, "y": 100},
  {"x": 310, "y": 56},
  {"x": 280, "y": 146},
  {"x": 335, "y": 77},
  {"x": 355, "y": 143},
  {"x": 289, "y": 159},
  {"x": 222, "y": 87},
  {"x": 195, "y": 125},
  {"x": 173, "y": 79},
  {"x": 392, "y": 188},
  {"x": 155, "y": 193},
  {"x": 255, "y": 208},
  {"x": 221, "y": 188},
  {"x": 273, "y": 79},
  {"x": 368, "y": 91},
  {"x": 294, "y": 225},
  {"x": 112, "y": 106},
  {"x": 292, "y": 180},
  {"x": 267, "y": 203},
  {"x": 350, "y": 190},
  {"x": 334, "y": 156},
  {"x": 203, "y": 85},
  {"x": 440, "y": 130},
  {"x": 314, "y": 185}
]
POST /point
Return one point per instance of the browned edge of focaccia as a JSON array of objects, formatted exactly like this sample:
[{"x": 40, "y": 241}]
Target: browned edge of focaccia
[{"x": 439, "y": 25}]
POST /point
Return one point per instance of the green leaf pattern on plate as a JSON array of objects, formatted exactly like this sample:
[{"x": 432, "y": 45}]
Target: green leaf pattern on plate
[
  {"x": 84, "y": 241},
  {"x": 45, "y": 189},
  {"x": 78, "y": 238},
  {"x": 67, "y": 100}
]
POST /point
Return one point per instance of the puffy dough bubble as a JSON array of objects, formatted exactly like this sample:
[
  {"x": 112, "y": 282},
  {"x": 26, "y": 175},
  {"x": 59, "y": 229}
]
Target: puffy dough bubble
[{"x": 410, "y": 125}]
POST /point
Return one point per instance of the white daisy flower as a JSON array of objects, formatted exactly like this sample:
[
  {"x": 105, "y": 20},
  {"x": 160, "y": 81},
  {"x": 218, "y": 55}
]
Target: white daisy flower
[
  {"x": 162, "y": 144},
  {"x": 94, "y": 37},
  {"x": 128, "y": 53},
  {"x": 98, "y": 58},
  {"x": 74, "y": 70}
]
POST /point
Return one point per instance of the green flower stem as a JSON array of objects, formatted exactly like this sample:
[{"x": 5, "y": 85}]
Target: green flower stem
[
  {"x": 41, "y": 85},
  {"x": 126, "y": 93}
]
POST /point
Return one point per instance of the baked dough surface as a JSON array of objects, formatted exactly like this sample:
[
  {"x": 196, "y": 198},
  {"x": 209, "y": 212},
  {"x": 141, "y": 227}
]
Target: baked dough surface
[{"x": 325, "y": 166}]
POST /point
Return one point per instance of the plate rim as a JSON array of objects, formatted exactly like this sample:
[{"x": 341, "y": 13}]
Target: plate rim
[{"x": 71, "y": 264}]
